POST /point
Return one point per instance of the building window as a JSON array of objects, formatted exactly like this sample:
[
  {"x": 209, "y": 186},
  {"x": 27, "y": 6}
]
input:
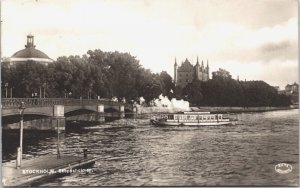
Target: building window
[
  {"x": 186, "y": 74},
  {"x": 187, "y": 80}
]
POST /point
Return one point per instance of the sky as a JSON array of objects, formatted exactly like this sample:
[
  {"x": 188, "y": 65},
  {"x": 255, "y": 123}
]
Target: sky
[{"x": 255, "y": 40}]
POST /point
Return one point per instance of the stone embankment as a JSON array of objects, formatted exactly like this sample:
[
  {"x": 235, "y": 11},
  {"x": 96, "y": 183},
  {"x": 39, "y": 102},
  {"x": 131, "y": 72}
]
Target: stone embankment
[
  {"x": 241, "y": 109},
  {"x": 151, "y": 110}
]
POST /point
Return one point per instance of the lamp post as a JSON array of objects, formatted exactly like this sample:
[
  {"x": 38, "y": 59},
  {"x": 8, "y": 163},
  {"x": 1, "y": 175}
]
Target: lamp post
[
  {"x": 20, "y": 149},
  {"x": 11, "y": 92},
  {"x": 44, "y": 86},
  {"x": 58, "y": 150},
  {"x": 6, "y": 85}
]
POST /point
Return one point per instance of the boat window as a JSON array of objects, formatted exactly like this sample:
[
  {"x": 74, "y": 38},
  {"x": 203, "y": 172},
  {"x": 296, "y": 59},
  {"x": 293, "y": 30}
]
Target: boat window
[
  {"x": 176, "y": 117},
  {"x": 200, "y": 117},
  {"x": 220, "y": 116},
  {"x": 204, "y": 117},
  {"x": 208, "y": 117},
  {"x": 170, "y": 116},
  {"x": 188, "y": 117},
  {"x": 212, "y": 117}
]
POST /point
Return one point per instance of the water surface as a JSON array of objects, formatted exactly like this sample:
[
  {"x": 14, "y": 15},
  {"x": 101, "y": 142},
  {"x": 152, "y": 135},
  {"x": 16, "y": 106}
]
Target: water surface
[{"x": 133, "y": 153}]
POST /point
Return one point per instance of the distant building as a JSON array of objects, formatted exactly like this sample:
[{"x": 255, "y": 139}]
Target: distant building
[
  {"x": 30, "y": 53},
  {"x": 290, "y": 89},
  {"x": 221, "y": 73},
  {"x": 186, "y": 72},
  {"x": 277, "y": 88}
]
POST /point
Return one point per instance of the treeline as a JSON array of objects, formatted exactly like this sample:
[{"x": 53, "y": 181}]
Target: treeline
[
  {"x": 228, "y": 92},
  {"x": 120, "y": 75},
  {"x": 98, "y": 73}
]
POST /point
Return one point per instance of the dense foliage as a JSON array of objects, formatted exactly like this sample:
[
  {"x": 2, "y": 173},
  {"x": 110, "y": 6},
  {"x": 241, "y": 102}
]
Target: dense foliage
[
  {"x": 114, "y": 74},
  {"x": 104, "y": 74},
  {"x": 228, "y": 92}
]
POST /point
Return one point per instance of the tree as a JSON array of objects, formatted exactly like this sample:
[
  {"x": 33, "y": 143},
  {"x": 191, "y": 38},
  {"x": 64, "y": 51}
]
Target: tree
[
  {"x": 193, "y": 92},
  {"x": 167, "y": 84}
]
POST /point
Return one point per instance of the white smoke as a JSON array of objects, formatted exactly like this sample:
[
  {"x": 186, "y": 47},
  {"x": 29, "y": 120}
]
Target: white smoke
[
  {"x": 163, "y": 101},
  {"x": 142, "y": 100}
]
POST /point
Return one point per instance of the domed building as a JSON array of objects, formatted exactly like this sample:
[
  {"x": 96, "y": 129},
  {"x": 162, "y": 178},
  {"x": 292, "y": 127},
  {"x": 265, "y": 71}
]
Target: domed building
[{"x": 30, "y": 53}]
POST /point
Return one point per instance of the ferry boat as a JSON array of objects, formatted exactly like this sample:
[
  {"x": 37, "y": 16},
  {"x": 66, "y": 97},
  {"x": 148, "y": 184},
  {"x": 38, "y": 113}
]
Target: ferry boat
[{"x": 191, "y": 119}]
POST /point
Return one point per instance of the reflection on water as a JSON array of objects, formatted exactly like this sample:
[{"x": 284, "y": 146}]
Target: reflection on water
[{"x": 133, "y": 153}]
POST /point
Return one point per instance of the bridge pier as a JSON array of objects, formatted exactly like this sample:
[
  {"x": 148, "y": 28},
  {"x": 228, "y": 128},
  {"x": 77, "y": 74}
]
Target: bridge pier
[
  {"x": 122, "y": 111},
  {"x": 134, "y": 110},
  {"x": 100, "y": 113}
]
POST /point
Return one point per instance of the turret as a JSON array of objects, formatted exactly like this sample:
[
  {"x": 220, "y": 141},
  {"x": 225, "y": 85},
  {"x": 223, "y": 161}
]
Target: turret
[
  {"x": 207, "y": 69},
  {"x": 30, "y": 42},
  {"x": 175, "y": 72},
  {"x": 197, "y": 69}
]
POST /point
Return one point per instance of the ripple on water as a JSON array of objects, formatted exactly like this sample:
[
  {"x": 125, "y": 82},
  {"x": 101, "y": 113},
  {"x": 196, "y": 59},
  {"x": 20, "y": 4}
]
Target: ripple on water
[{"x": 134, "y": 153}]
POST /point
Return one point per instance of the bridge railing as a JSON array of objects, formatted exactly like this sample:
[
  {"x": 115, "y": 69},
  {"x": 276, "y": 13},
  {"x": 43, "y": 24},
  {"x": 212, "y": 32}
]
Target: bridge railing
[{"x": 41, "y": 102}]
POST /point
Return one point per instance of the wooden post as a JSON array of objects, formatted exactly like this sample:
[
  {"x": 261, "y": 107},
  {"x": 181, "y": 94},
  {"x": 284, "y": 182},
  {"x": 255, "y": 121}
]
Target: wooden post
[
  {"x": 58, "y": 151},
  {"x": 85, "y": 153},
  {"x": 21, "y": 139}
]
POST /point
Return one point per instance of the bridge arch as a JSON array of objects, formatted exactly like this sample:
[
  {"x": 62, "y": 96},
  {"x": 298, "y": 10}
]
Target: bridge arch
[
  {"x": 69, "y": 109},
  {"x": 79, "y": 112},
  {"x": 109, "y": 109}
]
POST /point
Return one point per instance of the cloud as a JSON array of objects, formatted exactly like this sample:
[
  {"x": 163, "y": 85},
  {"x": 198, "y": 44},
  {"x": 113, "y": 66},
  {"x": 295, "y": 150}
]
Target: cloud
[
  {"x": 230, "y": 34},
  {"x": 285, "y": 50}
]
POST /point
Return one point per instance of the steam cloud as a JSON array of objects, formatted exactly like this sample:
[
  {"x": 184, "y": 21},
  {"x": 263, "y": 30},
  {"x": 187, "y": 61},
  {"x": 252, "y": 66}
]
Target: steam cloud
[{"x": 163, "y": 101}]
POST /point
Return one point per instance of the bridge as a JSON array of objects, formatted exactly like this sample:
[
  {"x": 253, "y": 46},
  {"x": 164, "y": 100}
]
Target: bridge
[{"x": 50, "y": 113}]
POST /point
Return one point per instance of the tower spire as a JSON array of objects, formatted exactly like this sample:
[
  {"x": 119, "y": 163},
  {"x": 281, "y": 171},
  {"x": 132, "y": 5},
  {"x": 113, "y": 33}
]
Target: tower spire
[
  {"x": 197, "y": 63},
  {"x": 202, "y": 63},
  {"x": 207, "y": 64}
]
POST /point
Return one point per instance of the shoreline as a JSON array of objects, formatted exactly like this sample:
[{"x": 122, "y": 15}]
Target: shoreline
[
  {"x": 242, "y": 109},
  {"x": 150, "y": 110}
]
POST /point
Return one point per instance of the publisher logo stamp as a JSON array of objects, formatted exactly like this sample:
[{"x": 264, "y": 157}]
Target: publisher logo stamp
[{"x": 283, "y": 168}]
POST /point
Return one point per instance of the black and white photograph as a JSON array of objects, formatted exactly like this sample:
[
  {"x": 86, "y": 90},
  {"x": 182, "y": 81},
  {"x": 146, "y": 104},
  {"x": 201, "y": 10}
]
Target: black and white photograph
[{"x": 149, "y": 93}]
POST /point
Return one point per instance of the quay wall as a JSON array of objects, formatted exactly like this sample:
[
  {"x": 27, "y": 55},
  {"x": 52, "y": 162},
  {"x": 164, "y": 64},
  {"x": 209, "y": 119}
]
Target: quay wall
[
  {"x": 241, "y": 109},
  {"x": 149, "y": 110}
]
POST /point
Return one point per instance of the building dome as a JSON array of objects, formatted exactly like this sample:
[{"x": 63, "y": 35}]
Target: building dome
[{"x": 30, "y": 54}]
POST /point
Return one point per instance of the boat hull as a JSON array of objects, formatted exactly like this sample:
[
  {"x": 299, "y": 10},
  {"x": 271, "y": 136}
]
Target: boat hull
[{"x": 168, "y": 123}]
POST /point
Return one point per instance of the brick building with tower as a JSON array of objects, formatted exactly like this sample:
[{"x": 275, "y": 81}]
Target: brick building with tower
[{"x": 186, "y": 72}]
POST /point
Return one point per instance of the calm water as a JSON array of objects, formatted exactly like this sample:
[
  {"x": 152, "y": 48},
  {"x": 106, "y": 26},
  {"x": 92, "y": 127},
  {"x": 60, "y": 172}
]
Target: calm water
[{"x": 134, "y": 153}]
